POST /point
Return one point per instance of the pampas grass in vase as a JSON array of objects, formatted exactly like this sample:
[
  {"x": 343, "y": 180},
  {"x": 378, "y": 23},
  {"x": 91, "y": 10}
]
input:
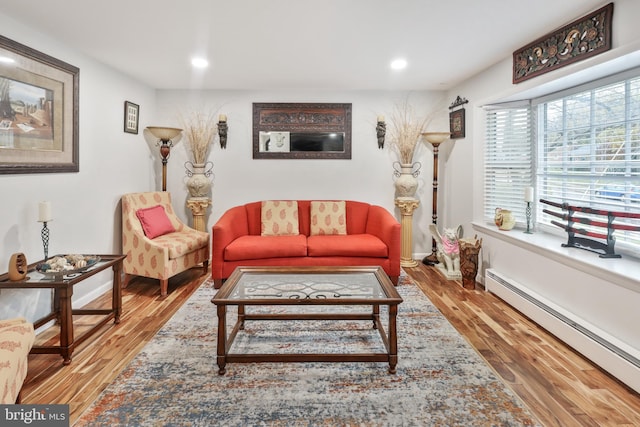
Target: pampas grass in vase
[
  {"x": 200, "y": 131},
  {"x": 405, "y": 132}
]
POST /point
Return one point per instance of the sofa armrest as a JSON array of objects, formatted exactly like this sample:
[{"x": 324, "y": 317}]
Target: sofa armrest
[
  {"x": 386, "y": 227},
  {"x": 231, "y": 225}
]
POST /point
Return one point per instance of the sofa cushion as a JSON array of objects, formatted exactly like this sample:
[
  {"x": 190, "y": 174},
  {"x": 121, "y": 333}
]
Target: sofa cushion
[
  {"x": 279, "y": 218},
  {"x": 257, "y": 247},
  {"x": 358, "y": 245},
  {"x": 154, "y": 221},
  {"x": 328, "y": 217},
  {"x": 183, "y": 242}
]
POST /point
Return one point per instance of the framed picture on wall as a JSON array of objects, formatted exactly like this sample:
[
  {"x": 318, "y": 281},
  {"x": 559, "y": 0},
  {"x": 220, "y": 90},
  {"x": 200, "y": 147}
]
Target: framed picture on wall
[
  {"x": 131, "y": 117},
  {"x": 456, "y": 124},
  {"x": 38, "y": 111}
]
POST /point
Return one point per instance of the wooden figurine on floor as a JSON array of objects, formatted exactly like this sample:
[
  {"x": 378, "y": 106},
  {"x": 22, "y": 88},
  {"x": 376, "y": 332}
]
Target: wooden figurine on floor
[{"x": 469, "y": 250}]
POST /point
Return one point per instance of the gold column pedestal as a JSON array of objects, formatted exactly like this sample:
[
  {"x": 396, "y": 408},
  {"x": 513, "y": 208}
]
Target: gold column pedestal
[
  {"x": 407, "y": 205},
  {"x": 198, "y": 206}
]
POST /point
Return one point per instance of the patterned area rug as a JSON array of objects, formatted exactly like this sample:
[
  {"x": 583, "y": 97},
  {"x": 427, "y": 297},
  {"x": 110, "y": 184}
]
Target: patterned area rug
[{"x": 440, "y": 380}]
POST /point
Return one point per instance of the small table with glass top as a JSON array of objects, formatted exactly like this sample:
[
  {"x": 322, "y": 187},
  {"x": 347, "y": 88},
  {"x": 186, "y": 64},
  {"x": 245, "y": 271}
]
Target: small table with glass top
[
  {"x": 62, "y": 311},
  {"x": 307, "y": 286}
]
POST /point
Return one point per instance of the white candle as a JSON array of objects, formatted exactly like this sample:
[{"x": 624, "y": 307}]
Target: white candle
[
  {"x": 381, "y": 118},
  {"x": 528, "y": 194},
  {"x": 222, "y": 118},
  {"x": 44, "y": 212}
]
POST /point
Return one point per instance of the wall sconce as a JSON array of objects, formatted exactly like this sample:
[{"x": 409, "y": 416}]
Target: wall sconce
[
  {"x": 222, "y": 130},
  {"x": 381, "y": 131},
  {"x": 165, "y": 142}
]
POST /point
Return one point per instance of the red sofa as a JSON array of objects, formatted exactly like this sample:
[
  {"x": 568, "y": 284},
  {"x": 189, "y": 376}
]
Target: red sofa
[{"x": 373, "y": 238}]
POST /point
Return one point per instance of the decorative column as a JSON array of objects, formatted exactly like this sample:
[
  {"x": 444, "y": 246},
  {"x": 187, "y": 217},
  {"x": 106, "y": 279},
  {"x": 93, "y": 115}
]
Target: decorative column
[
  {"x": 198, "y": 206},
  {"x": 407, "y": 205}
]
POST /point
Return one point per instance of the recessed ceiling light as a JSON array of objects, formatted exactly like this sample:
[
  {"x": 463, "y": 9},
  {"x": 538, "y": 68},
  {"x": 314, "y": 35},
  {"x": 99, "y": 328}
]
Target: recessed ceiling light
[
  {"x": 399, "y": 64},
  {"x": 6, "y": 60},
  {"x": 199, "y": 63}
]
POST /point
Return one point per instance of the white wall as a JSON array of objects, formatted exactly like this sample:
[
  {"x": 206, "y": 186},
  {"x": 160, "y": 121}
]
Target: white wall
[
  {"x": 367, "y": 177},
  {"x": 85, "y": 205},
  {"x": 605, "y": 293}
]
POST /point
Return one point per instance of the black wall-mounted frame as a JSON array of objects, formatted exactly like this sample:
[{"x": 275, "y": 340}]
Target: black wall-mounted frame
[{"x": 301, "y": 131}]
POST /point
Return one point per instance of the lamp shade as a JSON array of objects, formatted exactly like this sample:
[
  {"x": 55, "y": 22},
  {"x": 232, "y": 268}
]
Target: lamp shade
[
  {"x": 436, "y": 137},
  {"x": 163, "y": 133}
]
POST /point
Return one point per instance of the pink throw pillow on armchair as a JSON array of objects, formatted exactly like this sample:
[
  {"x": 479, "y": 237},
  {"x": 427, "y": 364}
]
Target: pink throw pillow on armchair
[{"x": 154, "y": 221}]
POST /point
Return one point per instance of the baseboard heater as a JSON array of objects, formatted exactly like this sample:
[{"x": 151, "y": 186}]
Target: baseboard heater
[{"x": 594, "y": 344}]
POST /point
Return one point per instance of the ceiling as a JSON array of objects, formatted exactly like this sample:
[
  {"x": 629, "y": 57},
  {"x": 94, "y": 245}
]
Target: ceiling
[{"x": 298, "y": 44}]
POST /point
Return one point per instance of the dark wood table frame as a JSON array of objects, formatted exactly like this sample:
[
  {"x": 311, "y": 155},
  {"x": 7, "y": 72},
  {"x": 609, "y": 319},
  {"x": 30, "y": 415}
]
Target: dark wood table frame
[
  {"x": 62, "y": 310},
  {"x": 223, "y": 299}
]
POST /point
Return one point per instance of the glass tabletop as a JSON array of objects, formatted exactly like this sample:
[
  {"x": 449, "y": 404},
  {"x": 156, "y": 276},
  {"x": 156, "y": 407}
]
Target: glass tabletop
[{"x": 307, "y": 286}]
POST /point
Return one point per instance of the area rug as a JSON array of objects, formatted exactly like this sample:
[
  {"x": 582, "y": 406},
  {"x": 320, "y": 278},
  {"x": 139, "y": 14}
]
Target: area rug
[{"x": 440, "y": 379}]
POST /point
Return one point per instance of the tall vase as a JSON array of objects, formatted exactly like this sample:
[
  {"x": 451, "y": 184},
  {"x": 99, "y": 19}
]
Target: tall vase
[
  {"x": 199, "y": 182},
  {"x": 406, "y": 178}
]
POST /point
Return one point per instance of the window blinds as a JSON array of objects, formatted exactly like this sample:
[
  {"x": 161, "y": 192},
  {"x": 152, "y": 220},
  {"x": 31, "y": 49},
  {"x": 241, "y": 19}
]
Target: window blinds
[{"x": 508, "y": 159}]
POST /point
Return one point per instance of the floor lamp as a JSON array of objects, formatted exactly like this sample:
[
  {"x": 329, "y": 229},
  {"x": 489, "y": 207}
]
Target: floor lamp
[
  {"x": 435, "y": 139},
  {"x": 165, "y": 142}
]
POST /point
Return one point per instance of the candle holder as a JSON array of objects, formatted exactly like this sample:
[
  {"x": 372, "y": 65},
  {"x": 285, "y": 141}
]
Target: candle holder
[
  {"x": 528, "y": 214},
  {"x": 45, "y": 239}
]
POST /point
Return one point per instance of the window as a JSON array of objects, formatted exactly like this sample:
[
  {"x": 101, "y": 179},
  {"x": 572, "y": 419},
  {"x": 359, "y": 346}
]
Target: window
[
  {"x": 580, "y": 147},
  {"x": 508, "y": 159}
]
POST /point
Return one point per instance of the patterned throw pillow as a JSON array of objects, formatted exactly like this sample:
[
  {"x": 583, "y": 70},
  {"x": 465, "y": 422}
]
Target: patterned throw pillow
[
  {"x": 328, "y": 217},
  {"x": 279, "y": 218}
]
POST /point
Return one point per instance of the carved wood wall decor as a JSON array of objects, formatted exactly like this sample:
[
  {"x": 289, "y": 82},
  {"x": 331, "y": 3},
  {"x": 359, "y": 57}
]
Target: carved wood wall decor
[
  {"x": 581, "y": 39},
  {"x": 301, "y": 131},
  {"x": 457, "y": 118}
]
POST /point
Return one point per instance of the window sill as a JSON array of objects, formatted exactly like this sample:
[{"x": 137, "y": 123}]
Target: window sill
[{"x": 623, "y": 271}]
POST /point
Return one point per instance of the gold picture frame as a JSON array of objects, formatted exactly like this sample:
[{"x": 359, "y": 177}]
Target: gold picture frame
[{"x": 38, "y": 111}]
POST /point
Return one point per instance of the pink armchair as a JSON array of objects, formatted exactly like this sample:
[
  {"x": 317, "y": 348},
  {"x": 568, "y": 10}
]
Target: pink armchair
[{"x": 163, "y": 256}]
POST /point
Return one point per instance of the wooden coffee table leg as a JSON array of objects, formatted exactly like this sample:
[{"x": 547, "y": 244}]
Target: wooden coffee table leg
[
  {"x": 393, "y": 339},
  {"x": 222, "y": 339},
  {"x": 376, "y": 315},
  {"x": 241, "y": 316}
]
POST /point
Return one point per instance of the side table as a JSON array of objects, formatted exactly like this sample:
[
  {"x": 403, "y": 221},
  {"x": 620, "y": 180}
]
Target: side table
[{"x": 62, "y": 311}]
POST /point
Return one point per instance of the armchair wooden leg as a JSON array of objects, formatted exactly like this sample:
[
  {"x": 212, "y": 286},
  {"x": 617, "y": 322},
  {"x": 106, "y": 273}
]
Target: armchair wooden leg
[
  {"x": 205, "y": 266},
  {"x": 164, "y": 286},
  {"x": 127, "y": 279}
]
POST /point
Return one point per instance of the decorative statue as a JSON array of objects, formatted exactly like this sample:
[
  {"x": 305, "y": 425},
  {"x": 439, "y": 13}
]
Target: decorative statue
[
  {"x": 469, "y": 250},
  {"x": 381, "y": 131},
  {"x": 448, "y": 250}
]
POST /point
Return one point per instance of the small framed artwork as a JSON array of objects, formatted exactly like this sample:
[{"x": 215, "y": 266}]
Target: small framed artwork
[
  {"x": 456, "y": 124},
  {"x": 131, "y": 117}
]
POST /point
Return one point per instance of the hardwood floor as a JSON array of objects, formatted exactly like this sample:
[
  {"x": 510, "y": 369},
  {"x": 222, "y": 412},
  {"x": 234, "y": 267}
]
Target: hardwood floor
[{"x": 559, "y": 386}]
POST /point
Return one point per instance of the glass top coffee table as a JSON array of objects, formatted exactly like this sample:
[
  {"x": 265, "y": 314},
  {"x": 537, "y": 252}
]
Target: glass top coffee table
[{"x": 306, "y": 287}]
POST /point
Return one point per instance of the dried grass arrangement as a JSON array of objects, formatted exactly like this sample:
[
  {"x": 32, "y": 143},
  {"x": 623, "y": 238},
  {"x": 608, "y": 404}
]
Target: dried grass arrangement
[
  {"x": 406, "y": 130},
  {"x": 200, "y": 131}
]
